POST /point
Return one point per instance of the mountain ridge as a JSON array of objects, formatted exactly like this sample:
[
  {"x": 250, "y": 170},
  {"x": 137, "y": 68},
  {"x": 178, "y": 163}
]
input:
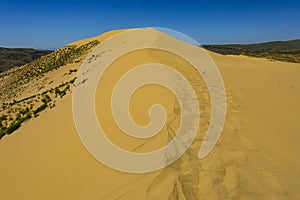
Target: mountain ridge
[{"x": 12, "y": 57}]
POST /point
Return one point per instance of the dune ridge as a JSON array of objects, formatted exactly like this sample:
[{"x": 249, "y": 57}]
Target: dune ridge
[{"x": 255, "y": 158}]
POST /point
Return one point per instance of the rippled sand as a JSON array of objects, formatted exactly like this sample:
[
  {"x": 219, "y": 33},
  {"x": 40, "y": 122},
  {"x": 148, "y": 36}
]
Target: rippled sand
[{"x": 255, "y": 158}]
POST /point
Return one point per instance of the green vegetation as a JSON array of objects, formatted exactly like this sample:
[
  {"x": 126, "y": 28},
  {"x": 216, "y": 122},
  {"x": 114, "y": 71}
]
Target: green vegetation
[
  {"x": 281, "y": 56},
  {"x": 15, "y": 81},
  {"x": 25, "y": 109},
  {"x": 46, "y": 99},
  {"x": 73, "y": 80},
  {"x": 2, "y": 133},
  {"x": 3, "y": 118},
  {"x": 27, "y": 98},
  {"x": 72, "y": 70},
  {"x": 39, "y": 109},
  {"x": 288, "y": 51},
  {"x": 19, "y": 76},
  {"x": 59, "y": 92},
  {"x": 14, "y": 126}
]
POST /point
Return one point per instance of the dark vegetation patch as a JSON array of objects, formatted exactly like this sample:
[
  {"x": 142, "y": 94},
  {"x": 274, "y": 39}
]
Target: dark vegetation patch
[
  {"x": 288, "y": 51},
  {"x": 9, "y": 124},
  {"x": 19, "y": 76},
  {"x": 13, "y": 82},
  {"x": 12, "y": 57},
  {"x": 14, "y": 126}
]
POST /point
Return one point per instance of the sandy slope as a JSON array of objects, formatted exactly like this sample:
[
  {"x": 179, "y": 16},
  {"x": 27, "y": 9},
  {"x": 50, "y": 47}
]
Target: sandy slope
[
  {"x": 269, "y": 108},
  {"x": 255, "y": 158}
]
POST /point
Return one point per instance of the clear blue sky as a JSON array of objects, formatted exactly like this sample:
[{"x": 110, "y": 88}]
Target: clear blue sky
[{"x": 53, "y": 23}]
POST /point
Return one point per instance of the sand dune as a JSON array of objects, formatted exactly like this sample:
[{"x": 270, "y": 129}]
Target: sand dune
[{"x": 255, "y": 158}]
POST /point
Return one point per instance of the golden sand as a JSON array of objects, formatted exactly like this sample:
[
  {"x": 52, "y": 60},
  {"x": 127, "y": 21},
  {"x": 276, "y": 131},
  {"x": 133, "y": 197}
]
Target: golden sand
[{"x": 255, "y": 158}]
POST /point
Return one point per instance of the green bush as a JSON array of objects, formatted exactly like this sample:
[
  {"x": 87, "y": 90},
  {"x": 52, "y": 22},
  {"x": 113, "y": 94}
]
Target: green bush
[
  {"x": 72, "y": 70},
  {"x": 39, "y": 109},
  {"x": 73, "y": 80},
  {"x": 3, "y": 118},
  {"x": 2, "y": 133},
  {"x": 15, "y": 126},
  {"x": 46, "y": 99},
  {"x": 25, "y": 111}
]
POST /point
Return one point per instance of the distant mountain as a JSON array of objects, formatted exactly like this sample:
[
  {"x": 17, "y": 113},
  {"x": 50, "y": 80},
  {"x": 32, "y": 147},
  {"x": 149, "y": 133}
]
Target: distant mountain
[
  {"x": 11, "y": 57},
  {"x": 288, "y": 51}
]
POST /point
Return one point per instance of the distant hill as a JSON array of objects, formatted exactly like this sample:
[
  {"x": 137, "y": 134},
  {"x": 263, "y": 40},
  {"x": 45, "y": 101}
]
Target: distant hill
[
  {"x": 11, "y": 57},
  {"x": 288, "y": 51}
]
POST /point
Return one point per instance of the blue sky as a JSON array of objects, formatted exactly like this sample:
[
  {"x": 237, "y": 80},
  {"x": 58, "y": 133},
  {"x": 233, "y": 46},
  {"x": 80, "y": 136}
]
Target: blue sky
[{"x": 52, "y": 24}]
